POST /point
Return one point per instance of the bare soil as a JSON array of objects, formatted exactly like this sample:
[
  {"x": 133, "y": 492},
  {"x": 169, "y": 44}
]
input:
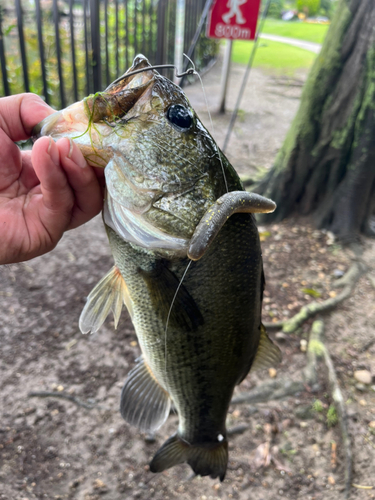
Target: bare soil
[{"x": 53, "y": 448}]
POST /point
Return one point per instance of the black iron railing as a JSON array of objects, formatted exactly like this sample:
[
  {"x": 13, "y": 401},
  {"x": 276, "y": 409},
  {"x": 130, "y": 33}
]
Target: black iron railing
[{"x": 64, "y": 50}]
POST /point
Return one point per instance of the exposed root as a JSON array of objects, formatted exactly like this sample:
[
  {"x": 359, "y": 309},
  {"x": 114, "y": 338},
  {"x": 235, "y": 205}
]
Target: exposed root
[
  {"x": 277, "y": 389},
  {"x": 62, "y": 395},
  {"x": 317, "y": 349},
  {"x": 314, "y": 350},
  {"x": 351, "y": 277},
  {"x": 237, "y": 429},
  {"x": 349, "y": 281},
  {"x": 367, "y": 345}
]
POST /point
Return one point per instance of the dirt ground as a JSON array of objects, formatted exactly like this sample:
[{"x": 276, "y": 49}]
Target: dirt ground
[{"x": 53, "y": 448}]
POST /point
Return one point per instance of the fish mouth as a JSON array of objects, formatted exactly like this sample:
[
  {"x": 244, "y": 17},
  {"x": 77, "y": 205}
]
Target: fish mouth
[{"x": 93, "y": 119}]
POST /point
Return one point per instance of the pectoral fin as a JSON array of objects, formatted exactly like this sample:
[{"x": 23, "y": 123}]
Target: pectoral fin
[
  {"x": 268, "y": 354},
  {"x": 144, "y": 403},
  {"x": 219, "y": 213},
  {"x": 162, "y": 284},
  {"x": 108, "y": 295}
]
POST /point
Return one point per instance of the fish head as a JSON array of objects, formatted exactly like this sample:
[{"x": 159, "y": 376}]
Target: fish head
[{"x": 163, "y": 169}]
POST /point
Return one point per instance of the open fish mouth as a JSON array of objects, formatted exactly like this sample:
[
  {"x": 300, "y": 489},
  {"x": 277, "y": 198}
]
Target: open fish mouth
[
  {"x": 105, "y": 126},
  {"x": 90, "y": 121}
]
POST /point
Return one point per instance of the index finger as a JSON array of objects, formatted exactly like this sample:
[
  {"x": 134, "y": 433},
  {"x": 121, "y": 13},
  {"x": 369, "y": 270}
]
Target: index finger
[{"x": 20, "y": 113}]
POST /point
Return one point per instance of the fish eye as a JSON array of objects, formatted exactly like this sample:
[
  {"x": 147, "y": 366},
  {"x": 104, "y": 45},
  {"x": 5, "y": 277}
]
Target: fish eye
[{"x": 180, "y": 117}]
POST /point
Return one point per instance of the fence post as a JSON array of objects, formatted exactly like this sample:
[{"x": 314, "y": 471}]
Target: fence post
[
  {"x": 2, "y": 58},
  {"x": 72, "y": 43},
  {"x": 95, "y": 44},
  {"x": 22, "y": 45},
  {"x": 41, "y": 49},
  {"x": 160, "y": 43},
  {"x": 59, "y": 53},
  {"x": 88, "y": 69}
]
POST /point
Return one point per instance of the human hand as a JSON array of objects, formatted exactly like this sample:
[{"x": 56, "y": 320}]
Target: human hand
[{"x": 43, "y": 192}]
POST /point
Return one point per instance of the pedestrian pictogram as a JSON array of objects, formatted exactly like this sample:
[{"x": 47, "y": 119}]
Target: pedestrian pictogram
[
  {"x": 233, "y": 19},
  {"x": 234, "y": 10}
]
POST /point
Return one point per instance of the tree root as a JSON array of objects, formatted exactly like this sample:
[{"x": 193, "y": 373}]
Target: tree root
[
  {"x": 349, "y": 281},
  {"x": 62, "y": 395},
  {"x": 367, "y": 345},
  {"x": 278, "y": 389},
  {"x": 318, "y": 347},
  {"x": 237, "y": 429}
]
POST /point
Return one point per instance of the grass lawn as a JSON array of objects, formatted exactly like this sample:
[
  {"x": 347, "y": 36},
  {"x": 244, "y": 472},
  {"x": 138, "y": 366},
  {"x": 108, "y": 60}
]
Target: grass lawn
[
  {"x": 284, "y": 59},
  {"x": 295, "y": 29}
]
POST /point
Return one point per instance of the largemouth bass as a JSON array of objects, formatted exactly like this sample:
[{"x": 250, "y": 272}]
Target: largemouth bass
[{"x": 168, "y": 212}]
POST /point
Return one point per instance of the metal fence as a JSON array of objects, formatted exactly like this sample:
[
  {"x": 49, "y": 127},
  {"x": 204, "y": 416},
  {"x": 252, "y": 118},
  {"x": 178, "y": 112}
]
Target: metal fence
[{"x": 64, "y": 50}]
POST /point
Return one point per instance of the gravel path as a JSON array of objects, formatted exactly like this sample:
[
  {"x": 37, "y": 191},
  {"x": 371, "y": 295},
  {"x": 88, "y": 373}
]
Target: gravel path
[{"x": 302, "y": 44}]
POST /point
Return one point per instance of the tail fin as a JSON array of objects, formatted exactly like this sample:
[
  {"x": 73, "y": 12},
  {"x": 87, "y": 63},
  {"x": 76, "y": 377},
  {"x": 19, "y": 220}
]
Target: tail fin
[{"x": 205, "y": 459}]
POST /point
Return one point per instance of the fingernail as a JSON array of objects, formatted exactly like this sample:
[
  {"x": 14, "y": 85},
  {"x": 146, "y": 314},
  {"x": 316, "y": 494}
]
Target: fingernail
[
  {"x": 70, "y": 148},
  {"x": 75, "y": 155},
  {"x": 53, "y": 152}
]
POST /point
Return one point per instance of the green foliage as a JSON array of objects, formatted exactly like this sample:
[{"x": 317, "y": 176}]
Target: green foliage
[
  {"x": 308, "y": 7},
  {"x": 275, "y": 9},
  {"x": 317, "y": 406},
  {"x": 118, "y": 55},
  {"x": 327, "y": 8},
  {"x": 332, "y": 417}
]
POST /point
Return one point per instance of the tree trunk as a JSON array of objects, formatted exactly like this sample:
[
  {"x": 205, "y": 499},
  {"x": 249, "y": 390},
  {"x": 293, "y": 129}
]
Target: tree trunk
[{"x": 326, "y": 166}]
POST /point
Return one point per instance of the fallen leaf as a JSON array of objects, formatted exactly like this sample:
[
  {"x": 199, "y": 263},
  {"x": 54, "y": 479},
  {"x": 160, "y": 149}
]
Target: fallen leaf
[
  {"x": 272, "y": 372},
  {"x": 264, "y": 235},
  {"x": 311, "y": 292}
]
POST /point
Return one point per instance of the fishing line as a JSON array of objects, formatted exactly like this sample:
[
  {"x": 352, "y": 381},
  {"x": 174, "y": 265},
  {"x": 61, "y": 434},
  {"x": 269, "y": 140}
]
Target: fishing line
[
  {"x": 189, "y": 71},
  {"x": 169, "y": 313},
  {"x": 209, "y": 114}
]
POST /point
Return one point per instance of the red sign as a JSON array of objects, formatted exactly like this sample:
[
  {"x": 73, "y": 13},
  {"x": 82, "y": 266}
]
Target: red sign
[{"x": 233, "y": 19}]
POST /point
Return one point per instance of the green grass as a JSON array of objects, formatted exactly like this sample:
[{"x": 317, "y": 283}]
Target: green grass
[
  {"x": 295, "y": 29},
  {"x": 279, "y": 57}
]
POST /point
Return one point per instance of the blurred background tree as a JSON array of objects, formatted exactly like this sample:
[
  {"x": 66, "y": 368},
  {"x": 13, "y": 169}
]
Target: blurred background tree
[
  {"x": 308, "y": 7},
  {"x": 326, "y": 166},
  {"x": 276, "y": 8}
]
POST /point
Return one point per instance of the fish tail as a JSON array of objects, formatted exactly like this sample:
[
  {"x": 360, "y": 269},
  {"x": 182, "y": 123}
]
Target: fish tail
[{"x": 205, "y": 459}]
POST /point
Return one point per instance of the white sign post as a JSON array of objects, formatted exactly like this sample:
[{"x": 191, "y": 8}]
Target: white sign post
[
  {"x": 225, "y": 74},
  {"x": 179, "y": 38}
]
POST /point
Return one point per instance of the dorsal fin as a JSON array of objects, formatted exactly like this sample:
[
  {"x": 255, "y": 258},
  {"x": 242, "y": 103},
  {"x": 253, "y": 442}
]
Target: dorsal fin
[
  {"x": 268, "y": 354},
  {"x": 162, "y": 284},
  {"x": 108, "y": 295}
]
